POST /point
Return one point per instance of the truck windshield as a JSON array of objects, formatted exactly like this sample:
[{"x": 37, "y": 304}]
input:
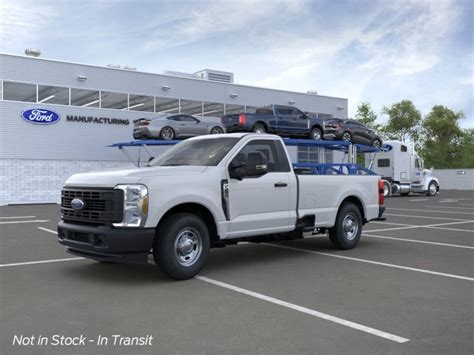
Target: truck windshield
[{"x": 201, "y": 152}]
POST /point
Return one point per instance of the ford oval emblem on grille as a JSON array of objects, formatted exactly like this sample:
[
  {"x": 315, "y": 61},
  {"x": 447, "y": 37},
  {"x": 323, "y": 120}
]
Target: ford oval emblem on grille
[{"x": 77, "y": 204}]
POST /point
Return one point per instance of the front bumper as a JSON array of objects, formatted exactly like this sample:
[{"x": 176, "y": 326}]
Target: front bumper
[{"x": 105, "y": 243}]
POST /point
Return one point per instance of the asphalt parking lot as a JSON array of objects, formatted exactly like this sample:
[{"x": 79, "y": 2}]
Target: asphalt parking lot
[{"x": 406, "y": 289}]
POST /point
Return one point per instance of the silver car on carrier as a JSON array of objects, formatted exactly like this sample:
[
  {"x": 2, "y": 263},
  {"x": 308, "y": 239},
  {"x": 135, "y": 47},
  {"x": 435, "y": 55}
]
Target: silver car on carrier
[{"x": 168, "y": 127}]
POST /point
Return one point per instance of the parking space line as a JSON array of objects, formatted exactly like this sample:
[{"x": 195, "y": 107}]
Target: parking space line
[
  {"x": 466, "y": 204},
  {"x": 419, "y": 241},
  {"x": 417, "y": 210},
  {"x": 18, "y": 217},
  {"x": 305, "y": 310},
  {"x": 427, "y": 217},
  {"x": 40, "y": 262},
  {"x": 391, "y": 223},
  {"x": 419, "y": 199},
  {"x": 372, "y": 262},
  {"x": 18, "y": 222},
  {"x": 48, "y": 230},
  {"x": 459, "y": 208},
  {"x": 431, "y": 226}
]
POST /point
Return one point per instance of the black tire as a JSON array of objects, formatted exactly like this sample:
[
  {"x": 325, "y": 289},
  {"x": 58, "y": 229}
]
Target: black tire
[
  {"x": 376, "y": 143},
  {"x": 316, "y": 134},
  {"x": 166, "y": 251},
  {"x": 167, "y": 133},
  {"x": 432, "y": 189},
  {"x": 404, "y": 193},
  {"x": 346, "y": 137},
  {"x": 259, "y": 128},
  {"x": 344, "y": 238},
  {"x": 216, "y": 130}
]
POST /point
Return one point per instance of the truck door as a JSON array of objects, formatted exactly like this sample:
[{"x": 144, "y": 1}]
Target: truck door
[
  {"x": 284, "y": 118},
  {"x": 418, "y": 170},
  {"x": 261, "y": 205}
]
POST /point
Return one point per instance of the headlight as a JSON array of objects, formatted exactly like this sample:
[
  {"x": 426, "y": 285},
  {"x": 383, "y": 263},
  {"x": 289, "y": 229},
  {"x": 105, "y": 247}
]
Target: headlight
[{"x": 135, "y": 205}]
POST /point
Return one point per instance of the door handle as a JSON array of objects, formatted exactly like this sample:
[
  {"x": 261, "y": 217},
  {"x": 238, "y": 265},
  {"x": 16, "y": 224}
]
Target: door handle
[{"x": 281, "y": 184}]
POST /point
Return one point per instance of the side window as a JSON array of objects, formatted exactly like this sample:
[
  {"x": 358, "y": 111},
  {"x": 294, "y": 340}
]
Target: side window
[
  {"x": 403, "y": 148},
  {"x": 185, "y": 118},
  {"x": 268, "y": 150},
  {"x": 284, "y": 111},
  {"x": 417, "y": 163},
  {"x": 296, "y": 112},
  {"x": 174, "y": 118}
]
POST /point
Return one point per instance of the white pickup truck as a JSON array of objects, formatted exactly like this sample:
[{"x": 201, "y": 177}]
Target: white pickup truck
[{"x": 210, "y": 191}]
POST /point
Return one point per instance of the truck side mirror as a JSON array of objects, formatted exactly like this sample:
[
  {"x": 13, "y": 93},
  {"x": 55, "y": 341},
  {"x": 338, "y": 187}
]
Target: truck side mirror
[{"x": 237, "y": 170}]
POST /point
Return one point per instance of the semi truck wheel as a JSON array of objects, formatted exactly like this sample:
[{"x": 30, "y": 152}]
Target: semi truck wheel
[
  {"x": 432, "y": 189},
  {"x": 348, "y": 228},
  {"x": 181, "y": 245},
  {"x": 387, "y": 189}
]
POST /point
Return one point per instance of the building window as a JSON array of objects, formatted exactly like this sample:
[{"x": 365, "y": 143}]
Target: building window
[
  {"x": 141, "y": 103},
  {"x": 19, "y": 91},
  {"x": 234, "y": 109},
  {"x": 191, "y": 107},
  {"x": 166, "y": 105},
  {"x": 212, "y": 109},
  {"x": 308, "y": 155},
  {"x": 85, "y": 98},
  {"x": 53, "y": 95},
  {"x": 115, "y": 100}
]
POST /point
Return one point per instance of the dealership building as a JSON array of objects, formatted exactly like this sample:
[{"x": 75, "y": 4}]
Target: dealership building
[{"x": 94, "y": 106}]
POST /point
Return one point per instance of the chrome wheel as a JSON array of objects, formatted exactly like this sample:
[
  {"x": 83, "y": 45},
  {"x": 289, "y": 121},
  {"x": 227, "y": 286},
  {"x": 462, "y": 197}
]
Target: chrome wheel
[
  {"x": 350, "y": 227},
  {"x": 432, "y": 189},
  {"x": 316, "y": 134},
  {"x": 386, "y": 190},
  {"x": 167, "y": 133},
  {"x": 259, "y": 130},
  {"x": 217, "y": 130},
  {"x": 188, "y": 247},
  {"x": 346, "y": 137}
]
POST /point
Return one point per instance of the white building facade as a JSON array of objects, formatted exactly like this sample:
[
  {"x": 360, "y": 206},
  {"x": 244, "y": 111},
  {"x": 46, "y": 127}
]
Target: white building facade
[{"x": 95, "y": 106}]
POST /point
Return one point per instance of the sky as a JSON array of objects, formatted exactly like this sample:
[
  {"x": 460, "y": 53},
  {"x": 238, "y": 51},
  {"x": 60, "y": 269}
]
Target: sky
[{"x": 364, "y": 50}]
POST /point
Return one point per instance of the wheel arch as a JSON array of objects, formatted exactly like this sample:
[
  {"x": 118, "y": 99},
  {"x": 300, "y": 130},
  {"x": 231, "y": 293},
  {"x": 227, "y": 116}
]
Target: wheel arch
[
  {"x": 357, "y": 202},
  {"x": 263, "y": 123},
  {"x": 197, "y": 209}
]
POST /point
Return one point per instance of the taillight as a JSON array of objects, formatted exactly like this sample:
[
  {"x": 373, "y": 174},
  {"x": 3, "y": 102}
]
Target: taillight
[
  {"x": 242, "y": 119},
  {"x": 381, "y": 197}
]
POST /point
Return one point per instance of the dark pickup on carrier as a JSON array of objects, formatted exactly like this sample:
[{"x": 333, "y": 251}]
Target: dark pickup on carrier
[{"x": 281, "y": 120}]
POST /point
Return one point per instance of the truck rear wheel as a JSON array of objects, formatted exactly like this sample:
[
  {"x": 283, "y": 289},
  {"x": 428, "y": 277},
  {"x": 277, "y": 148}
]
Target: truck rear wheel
[
  {"x": 181, "y": 246},
  {"x": 346, "y": 232},
  {"x": 259, "y": 128}
]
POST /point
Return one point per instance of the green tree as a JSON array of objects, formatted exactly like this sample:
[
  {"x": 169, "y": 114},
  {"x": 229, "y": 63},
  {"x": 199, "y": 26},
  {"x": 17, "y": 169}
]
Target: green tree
[
  {"x": 444, "y": 141},
  {"x": 467, "y": 149},
  {"x": 366, "y": 115},
  {"x": 403, "y": 122}
]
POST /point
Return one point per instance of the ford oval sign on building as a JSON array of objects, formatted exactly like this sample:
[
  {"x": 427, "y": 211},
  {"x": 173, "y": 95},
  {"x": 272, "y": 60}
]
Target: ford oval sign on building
[{"x": 40, "y": 116}]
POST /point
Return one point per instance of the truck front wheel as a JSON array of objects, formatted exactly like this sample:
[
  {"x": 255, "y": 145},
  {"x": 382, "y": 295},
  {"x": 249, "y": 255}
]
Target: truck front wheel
[
  {"x": 348, "y": 228},
  {"x": 432, "y": 189},
  {"x": 181, "y": 246}
]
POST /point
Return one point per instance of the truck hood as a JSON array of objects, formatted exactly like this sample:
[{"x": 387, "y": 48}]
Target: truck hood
[{"x": 113, "y": 177}]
